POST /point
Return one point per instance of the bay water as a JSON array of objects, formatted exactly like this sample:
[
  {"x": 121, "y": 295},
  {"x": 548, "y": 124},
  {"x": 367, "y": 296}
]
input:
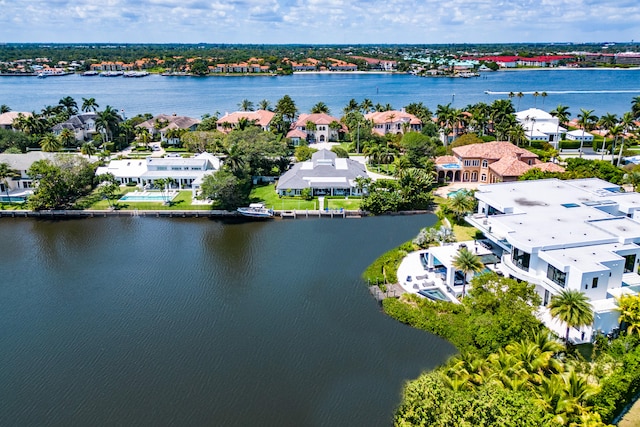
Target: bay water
[
  {"x": 603, "y": 90},
  {"x": 151, "y": 321}
]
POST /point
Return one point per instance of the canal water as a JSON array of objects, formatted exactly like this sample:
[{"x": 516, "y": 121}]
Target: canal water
[{"x": 141, "y": 321}]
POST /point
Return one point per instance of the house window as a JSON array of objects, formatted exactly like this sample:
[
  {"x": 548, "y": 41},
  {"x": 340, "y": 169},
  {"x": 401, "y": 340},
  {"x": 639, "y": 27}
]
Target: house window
[
  {"x": 594, "y": 283},
  {"x": 556, "y": 276},
  {"x": 475, "y": 162},
  {"x": 485, "y": 163},
  {"x": 465, "y": 176},
  {"x": 521, "y": 259},
  {"x": 483, "y": 177},
  {"x": 474, "y": 176},
  {"x": 629, "y": 263}
]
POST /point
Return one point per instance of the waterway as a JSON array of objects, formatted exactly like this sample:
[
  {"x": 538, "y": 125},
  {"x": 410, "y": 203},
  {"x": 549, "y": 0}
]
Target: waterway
[
  {"x": 601, "y": 90},
  {"x": 141, "y": 321}
]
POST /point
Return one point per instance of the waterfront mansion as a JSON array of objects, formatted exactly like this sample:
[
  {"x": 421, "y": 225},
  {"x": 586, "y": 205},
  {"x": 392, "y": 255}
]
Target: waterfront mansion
[{"x": 578, "y": 234}]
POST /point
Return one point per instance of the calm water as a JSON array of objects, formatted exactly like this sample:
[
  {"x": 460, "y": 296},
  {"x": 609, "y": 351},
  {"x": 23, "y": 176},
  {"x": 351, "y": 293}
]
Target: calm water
[
  {"x": 138, "y": 321},
  {"x": 600, "y": 90}
]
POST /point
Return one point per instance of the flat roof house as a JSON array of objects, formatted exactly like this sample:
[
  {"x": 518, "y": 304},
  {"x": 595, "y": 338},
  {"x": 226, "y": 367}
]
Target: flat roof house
[
  {"x": 325, "y": 174},
  {"x": 579, "y": 234},
  {"x": 187, "y": 172}
]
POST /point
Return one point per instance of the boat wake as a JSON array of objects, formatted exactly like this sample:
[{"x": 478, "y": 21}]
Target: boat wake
[{"x": 560, "y": 92}]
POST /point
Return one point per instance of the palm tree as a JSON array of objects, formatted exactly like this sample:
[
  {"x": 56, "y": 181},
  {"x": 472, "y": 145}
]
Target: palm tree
[
  {"x": 264, "y": 105},
  {"x": 234, "y": 160},
  {"x": 635, "y": 107},
  {"x": 366, "y": 106},
  {"x": 67, "y": 137},
  {"x": 144, "y": 136},
  {"x": 606, "y": 122},
  {"x": 519, "y": 95},
  {"x": 351, "y": 106},
  {"x": 517, "y": 134},
  {"x": 632, "y": 178},
  {"x": 460, "y": 204},
  {"x": 571, "y": 307},
  {"x": 536, "y": 94},
  {"x": 467, "y": 262},
  {"x": 4, "y": 108},
  {"x": 50, "y": 143},
  {"x": 69, "y": 104},
  {"x": 616, "y": 132},
  {"x": 629, "y": 308},
  {"x": 89, "y": 104},
  {"x": 543, "y": 95},
  {"x": 245, "y": 105},
  {"x": 107, "y": 122},
  {"x": 586, "y": 119},
  {"x": 88, "y": 149},
  {"x": 320, "y": 107},
  {"x": 6, "y": 172}
]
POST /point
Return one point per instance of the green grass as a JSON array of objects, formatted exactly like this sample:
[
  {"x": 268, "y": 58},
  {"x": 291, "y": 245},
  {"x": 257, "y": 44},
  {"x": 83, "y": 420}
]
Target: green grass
[
  {"x": 347, "y": 204},
  {"x": 267, "y": 195},
  {"x": 13, "y": 206},
  {"x": 181, "y": 202}
]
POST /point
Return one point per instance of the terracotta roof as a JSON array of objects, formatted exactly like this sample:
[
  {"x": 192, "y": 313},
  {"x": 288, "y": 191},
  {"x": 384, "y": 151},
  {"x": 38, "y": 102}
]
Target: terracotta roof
[
  {"x": 295, "y": 133},
  {"x": 262, "y": 117},
  {"x": 445, "y": 160},
  {"x": 315, "y": 118},
  {"x": 509, "y": 166},
  {"x": 6, "y": 119},
  {"x": 393, "y": 116},
  {"x": 492, "y": 150},
  {"x": 548, "y": 167}
]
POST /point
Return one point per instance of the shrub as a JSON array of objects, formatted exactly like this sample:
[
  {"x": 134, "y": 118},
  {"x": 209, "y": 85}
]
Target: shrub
[{"x": 570, "y": 145}]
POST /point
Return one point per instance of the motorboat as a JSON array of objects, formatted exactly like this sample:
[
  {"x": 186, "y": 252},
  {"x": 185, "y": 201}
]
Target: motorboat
[{"x": 256, "y": 210}]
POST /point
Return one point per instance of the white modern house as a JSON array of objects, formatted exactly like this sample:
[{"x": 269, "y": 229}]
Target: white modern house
[
  {"x": 21, "y": 186},
  {"x": 579, "y": 135},
  {"x": 578, "y": 234},
  {"x": 187, "y": 172},
  {"x": 540, "y": 126},
  {"x": 325, "y": 175}
]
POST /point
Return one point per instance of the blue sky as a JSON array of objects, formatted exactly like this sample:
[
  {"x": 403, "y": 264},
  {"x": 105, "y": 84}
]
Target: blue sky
[{"x": 319, "y": 21}]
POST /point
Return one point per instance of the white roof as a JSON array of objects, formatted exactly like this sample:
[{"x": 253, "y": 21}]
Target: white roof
[{"x": 535, "y": 113}]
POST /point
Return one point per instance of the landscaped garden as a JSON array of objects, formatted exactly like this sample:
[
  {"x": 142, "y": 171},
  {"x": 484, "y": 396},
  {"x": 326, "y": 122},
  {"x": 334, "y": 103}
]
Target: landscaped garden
[
  {"x": 181, "y": 202},
  {"x": 267, "y": 195}
]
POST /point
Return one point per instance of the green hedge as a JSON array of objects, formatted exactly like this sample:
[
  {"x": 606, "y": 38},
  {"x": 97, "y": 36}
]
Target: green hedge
[
  {"x": 386, "y": 266},
  {"x": 570, "y": 145}
]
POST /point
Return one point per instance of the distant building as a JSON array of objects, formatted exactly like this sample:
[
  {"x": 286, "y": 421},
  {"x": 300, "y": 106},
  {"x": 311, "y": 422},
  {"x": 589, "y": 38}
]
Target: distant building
[
  {"x": 579, "y": 135},
  {"x": 21, "y": 186},
  {"x": 7, "y": 119},
  {"x": 325, "y": 175},
  {"x": 323, "y": 131},
  {"x": 261, "y": 118},
  {"x": 163, "y": 123},
  {"x": 394, "y": 122},
  {"x": 581, "y": 235},
  {"x": 82, "y": 125},
  {"x": 540, "y": 126},
  {"x": 489, "y": 162},
  {"x": 187, "y": 172}
]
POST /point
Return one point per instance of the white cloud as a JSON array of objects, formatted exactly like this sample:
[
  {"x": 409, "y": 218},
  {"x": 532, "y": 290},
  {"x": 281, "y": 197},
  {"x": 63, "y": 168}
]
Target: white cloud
[{"x": 318, "y": 21}]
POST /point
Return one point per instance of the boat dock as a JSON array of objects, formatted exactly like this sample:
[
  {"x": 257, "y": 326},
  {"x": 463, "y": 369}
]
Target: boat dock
[
  {"x": 327, "y": 213},
  {"x": 393, "y": 291}
]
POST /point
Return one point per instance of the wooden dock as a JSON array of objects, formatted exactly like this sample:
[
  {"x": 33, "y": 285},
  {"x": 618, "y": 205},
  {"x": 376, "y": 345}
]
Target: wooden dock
[{"x": 393, "y": 291}]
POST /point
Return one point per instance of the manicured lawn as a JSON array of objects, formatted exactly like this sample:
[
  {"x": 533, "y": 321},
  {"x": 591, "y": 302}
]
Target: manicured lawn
[
  {"x": 464, "y": 232},
  {"x": 267, "y": 195},
  {"x": 350, "y": 204},
  {"x": 13, "y": 206},
  {"x": 181, "y": 202}
]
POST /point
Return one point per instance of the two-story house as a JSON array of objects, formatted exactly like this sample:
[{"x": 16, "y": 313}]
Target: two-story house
[{"x": 394, "y": 121}]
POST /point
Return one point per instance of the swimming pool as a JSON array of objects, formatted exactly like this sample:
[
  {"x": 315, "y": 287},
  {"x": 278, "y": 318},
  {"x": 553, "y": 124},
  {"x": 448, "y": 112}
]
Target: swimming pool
[
  {"x": 148, "y": 196},
  {"x": 433, "y": 294}
]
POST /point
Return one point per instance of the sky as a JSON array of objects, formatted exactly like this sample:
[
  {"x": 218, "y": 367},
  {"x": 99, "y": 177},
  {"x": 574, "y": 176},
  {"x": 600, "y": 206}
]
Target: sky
[{"x": 319, "y": 21}]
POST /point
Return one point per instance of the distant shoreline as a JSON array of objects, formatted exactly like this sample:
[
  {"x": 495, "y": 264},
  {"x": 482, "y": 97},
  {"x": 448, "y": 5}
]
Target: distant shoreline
[{"x": 568, "y": 69}]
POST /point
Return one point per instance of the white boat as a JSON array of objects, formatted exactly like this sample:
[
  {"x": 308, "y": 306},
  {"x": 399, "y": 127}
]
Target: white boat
[{"x": 256, "y": 210}]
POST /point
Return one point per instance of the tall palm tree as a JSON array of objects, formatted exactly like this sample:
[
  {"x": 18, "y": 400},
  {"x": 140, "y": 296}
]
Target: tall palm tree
[
  {"x": 519, "y": 95},
  {"x": 246, "y": 105},
  {"x": 351, "y": 106},
  {"x": 50, "y": 143},
  {"x": 4, "y": 108},
  {"x": 67, "y": 137},
  {"x": 107, "y": 122},
  {"x": 571, "y": 307},
  {"x": 89, "y": 104},
  {"x": 88, "y": 149},
  {"x": 69, "y": 104},
  {"x": 586, "y": 119},
  {"x": 467, "y": 262},
  {"x": 629, "y": 308},
  {"x": 6, "y": 172},
  {"x": 635, "y": 107},
  {"x": 543, "y": 95},
  {"x": 320, "y": 107},
  {"x": 265, "y": 104},
  {"x": 366, "y": 106},
  {"x": 606, "y": 122},
  {"x": 561, "y": 112},
  {"x": 536, "y": 94}
]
